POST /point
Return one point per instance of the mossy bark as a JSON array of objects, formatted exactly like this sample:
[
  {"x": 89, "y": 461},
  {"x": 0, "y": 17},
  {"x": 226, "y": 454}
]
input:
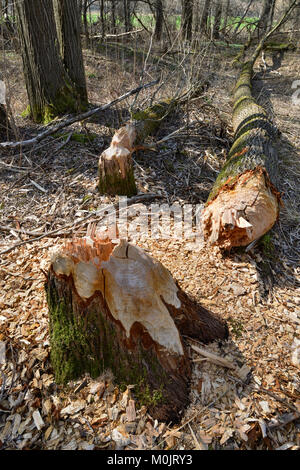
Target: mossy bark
[
  {"x": 253, "y": 135},
  {"x": 67, "y": 18},
  {"x": 86, "y": 338},
  {"x": 50, "y": 90},
  {"x": 116, "y": 175},
  {"x": 252, "y": 156}
]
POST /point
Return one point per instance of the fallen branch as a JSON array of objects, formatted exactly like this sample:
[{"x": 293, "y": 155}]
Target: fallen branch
[
  {"x": 116, "y": 174},
  {"x": 113, "y": 36},
  {"x": 213, "y": 357},
  {"x": 69, "y": 228},
  {"x": 78, "y": 117}
]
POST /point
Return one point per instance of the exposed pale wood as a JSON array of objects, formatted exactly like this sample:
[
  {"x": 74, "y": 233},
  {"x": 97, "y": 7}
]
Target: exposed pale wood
[{"x": 124, "y": 311}]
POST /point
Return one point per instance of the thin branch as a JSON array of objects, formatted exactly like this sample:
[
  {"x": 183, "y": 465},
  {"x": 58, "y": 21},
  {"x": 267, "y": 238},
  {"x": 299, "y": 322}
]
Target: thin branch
[{"x": 78, "y": 117}]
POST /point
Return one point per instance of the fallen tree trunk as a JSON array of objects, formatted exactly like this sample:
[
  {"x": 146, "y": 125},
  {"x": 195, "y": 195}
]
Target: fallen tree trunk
[
  {"x": 244, "y": 203},
  {"x": 112, "y": 306},
  {"x": 116, "y": 174}
]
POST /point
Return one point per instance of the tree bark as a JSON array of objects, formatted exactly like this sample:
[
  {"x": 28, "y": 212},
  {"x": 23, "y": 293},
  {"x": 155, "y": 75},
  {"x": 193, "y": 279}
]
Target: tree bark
[
  {"x": 5, "y": 129},
  {"x": 226, "y": 8},
  {"x": 187, "y": 19},
  {"x": 217, "y": 20},
  {"x": 116, "y": 174},
  {"x": 111, "y": 306},
  {"x": 50, "y": 90},
  {"x": 244, "y": 204},
  {"x": 264, "y": 19},
  {"x": 158, "y": 19},
  {"x": 67, "y": 17}
]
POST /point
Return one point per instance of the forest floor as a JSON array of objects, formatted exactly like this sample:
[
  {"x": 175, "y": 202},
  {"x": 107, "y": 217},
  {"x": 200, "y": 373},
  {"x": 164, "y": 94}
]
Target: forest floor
[{"x": 253, "y": 405}]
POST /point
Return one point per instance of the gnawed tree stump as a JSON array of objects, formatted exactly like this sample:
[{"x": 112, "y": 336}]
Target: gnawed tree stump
[
  {"x": 116, "y": 176},
  {"x": 244, "y": 204},
  {"x": 112, "y": 306}
]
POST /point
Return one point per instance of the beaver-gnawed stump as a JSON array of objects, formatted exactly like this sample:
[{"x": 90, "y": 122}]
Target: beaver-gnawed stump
[{"x": 112, "y": 306}]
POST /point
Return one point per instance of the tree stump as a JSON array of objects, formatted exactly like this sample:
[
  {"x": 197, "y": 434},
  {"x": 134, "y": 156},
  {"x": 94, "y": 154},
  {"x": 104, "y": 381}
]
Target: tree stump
[
  {"x": 112, "y": 306},
  {"x": 116, "y": 176}
]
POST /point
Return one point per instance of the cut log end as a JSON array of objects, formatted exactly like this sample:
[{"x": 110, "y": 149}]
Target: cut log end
[
  {"x": 242, "y": 212},
  {"x": 112, "y": 306}
]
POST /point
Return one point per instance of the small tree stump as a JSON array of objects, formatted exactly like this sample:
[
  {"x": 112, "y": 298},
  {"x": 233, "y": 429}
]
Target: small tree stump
[
  {"x": 116, "y": 176},
  {"x": 112, "y": 306},
  {"x": 115, "y": 164}
]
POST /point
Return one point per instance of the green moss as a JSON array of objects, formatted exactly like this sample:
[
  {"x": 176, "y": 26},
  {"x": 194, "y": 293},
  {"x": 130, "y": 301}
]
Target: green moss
[
  {"x": 236, "y": 327},
  {"x": 26, "y": 113},
  {"x": 85, "y": 342},
  {"x": 275, "y": 46},
  {"x": 67, "y": 100},
  {"x": 267, "y": 246},
  {"x": 152, "y": 117},
  {"x": 147, "y": 397},
  {"x": 115, "y": 184}
]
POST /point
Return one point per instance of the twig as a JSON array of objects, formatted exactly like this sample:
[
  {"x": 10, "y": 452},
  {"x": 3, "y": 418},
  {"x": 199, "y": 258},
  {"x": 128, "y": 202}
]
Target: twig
[
  {"x": 213, "y": 357},
  {"x": 78, "y": 117},
  {"x": 199, "y": 445}
]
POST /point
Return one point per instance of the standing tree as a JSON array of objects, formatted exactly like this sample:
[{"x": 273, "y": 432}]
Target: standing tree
[
  {"x": 264, "y": 20},
  {"x": 158, "y": 19},
  {"x": 215, "y": 32},
  {"x": 187, "y": 19},
  {"x": 50, "y": 90},
  {"x": 67, "y": 17},
  {"x": 127, "y": 15},
  {"x": 204, "y": 17}
]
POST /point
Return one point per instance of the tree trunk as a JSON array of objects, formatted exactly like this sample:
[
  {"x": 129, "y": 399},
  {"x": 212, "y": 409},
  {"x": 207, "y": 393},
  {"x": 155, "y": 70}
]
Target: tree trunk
[
  {"x": 116, "y": 174},
  {"x": 67, "y": 18},
  {"x": 226, "y": 8},
  {"x": 127, "y": 15},
  {"x": 187, "y": 19},
  {"x": 265, "y": 16},
  {"x": 243, "y": 204},
  {"x": 5, "y": 130},
  {"x": 111, "y": 306},
  {"x": 217, "y": 20},
  {"x": 113, "y": 16},
  {"x": 204, "y": 17},
  {"x": 50, "y": 90},
  {"x": 158, "y": 19},
  {"x": 85, "y": 23}
]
